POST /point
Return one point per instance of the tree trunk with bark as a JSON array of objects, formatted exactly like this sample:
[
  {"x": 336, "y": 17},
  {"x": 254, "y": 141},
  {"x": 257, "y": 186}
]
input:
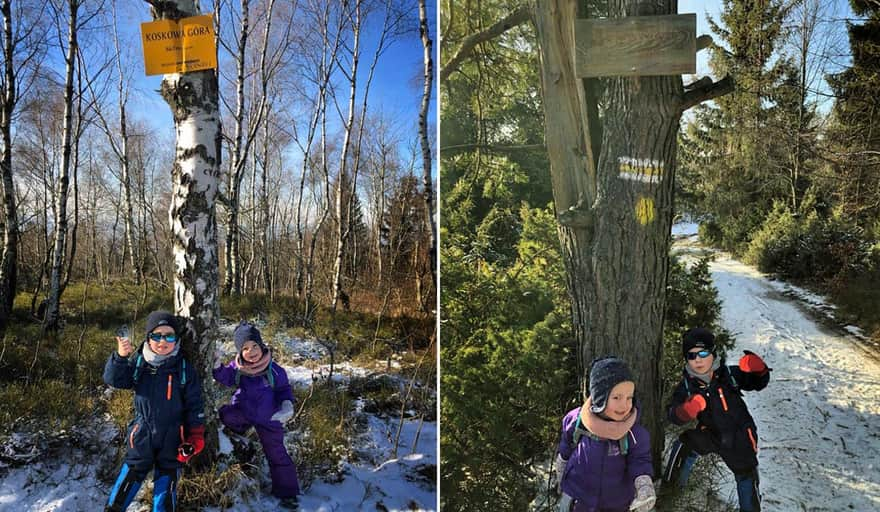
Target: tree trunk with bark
[
  {"x": 53, "y": 299},
  {"x": 8, "y": 97},
  {"x": 614, "y": 209},
  {"x": 427, "y": 182},
  {"x": 193, "y": 99}
]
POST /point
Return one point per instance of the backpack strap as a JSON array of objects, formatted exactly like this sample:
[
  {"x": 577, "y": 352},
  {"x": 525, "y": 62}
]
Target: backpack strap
[{"x": 137, "y": 367}]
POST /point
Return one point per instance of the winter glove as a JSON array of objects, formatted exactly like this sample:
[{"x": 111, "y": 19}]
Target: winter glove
[
  {"x": 559, "y": 467},
  {"x": 645, "y": 497},
  {"x": 218, "y": 358},
  {"x": 752, "y": 363},
  {"x": 123, "y": 347},
  {"x": 285, "y": 413},
  {"x": 193, "y": 445},
  {"x": 565, "y": 503},
  {"x": 691, "y": 407}
]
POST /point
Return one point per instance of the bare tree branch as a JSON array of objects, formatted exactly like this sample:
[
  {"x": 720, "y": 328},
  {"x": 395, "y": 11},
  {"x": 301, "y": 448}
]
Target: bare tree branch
[
  {"x": 704, "y": 91},
  {"x": 516, "y": 17}
]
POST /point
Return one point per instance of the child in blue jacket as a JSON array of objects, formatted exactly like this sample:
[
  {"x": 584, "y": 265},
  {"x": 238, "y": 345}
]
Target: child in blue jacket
[
  {"x": 263, "y": 400},
  {"x": 711, "y": 393},
  {"x": 604, "y": 457},
  {"x": 169, "y": 425}
]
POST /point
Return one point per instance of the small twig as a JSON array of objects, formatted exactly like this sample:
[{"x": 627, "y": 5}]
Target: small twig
[{"x": 302, "y": 405}]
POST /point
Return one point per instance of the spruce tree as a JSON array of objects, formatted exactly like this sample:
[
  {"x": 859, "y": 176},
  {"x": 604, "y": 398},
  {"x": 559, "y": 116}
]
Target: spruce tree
[
  {"x": 855, "y": 134},
  {"x": 727, "y": 158}
]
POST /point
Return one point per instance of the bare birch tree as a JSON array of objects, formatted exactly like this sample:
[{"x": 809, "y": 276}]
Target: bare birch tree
[
  {"x": 21, "y": 50},
  {"x": 53, "y": 299},
  {"x": 427, "y": 181},
  {"x": 193, "y": 99}
]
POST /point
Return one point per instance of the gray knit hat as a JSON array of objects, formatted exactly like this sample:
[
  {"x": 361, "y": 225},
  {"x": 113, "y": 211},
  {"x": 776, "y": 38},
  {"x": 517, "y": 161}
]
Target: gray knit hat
[
  {"x": 605, "y": 373},
  {"x": 247, "y": 331}
]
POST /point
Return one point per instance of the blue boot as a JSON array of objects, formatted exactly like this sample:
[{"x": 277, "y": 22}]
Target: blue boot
[
  {"x": 747, "y": 491},
  {"x": 165, "y": 490},
  {"x": 127, "y": 485}
]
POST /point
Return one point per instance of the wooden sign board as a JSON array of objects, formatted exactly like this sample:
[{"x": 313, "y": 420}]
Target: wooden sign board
[
  {"x": 636, "y": 46},
  {"x": 179, "y": 46}
]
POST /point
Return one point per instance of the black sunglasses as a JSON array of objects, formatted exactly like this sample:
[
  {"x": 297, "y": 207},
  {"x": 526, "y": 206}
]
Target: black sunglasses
[
  {"x": 701, "y": 354},
  {"x": 170, "y": 338}
]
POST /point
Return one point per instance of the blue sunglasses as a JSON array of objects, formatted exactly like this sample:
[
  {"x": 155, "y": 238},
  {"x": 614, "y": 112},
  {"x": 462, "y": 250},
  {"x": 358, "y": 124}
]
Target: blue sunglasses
[
  {"x": 701, "y": 354},
  {"x": 170, "y": 338}
]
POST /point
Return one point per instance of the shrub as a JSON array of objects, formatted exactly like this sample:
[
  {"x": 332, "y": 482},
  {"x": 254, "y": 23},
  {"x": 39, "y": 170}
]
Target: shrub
[{"x": 825, "y": 251}]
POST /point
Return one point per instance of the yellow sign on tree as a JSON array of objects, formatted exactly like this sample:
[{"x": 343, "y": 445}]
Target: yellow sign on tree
[{"x": 179, "y": 46}]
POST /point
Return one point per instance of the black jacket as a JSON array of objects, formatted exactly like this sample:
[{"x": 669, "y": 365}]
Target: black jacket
[{"x": 726, "y": 415}]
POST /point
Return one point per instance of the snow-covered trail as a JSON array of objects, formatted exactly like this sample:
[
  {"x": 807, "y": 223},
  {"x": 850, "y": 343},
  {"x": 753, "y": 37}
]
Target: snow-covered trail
[{"x": 819, "y": 418}]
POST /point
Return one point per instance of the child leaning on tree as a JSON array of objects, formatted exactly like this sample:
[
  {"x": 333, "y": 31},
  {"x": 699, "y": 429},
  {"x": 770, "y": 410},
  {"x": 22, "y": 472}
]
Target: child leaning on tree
[
  {"x": 711, "y": 393},
  {"x": 263, "y": 400},
  {"x": 169, "y": 425},
  {"x": 604, "y": 458}
]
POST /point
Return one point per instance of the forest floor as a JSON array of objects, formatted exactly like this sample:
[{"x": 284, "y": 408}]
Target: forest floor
[
  {"x": 67, "y": 471},
  {"x": 819, "y": 418}
]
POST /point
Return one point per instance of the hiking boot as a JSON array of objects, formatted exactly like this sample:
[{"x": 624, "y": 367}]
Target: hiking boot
[{"x": 289, "y": 503}]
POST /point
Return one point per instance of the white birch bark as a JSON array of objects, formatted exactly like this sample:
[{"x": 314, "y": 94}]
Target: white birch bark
[{"x": 53, "y": 298}]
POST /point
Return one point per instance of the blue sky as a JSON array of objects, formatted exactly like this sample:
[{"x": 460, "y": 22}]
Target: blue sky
[
  {"x": 839, "y": 11},
  {"x": 396, "y": 87}
]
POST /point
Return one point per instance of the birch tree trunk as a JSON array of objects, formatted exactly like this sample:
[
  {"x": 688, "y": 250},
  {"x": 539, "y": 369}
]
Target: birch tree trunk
[
  {"x": 193, "y": 99},
  {"x": 344, "y": 226},
  {"x": 53, "y": 299},
  {"x": 8, "y": 97},
  {"x": 614, "y": 216},
  {"x": 122, "y": 90},
  {"x": 427, "y": 181},
  {"x": 342, "y": 180},
  {"x": 232, "y": 274}
]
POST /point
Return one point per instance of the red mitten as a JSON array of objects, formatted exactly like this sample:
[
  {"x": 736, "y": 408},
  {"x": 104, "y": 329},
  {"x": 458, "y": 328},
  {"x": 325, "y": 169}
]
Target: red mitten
[
  {"x": 752, "y": 363},
  {"x": 691, "y": 407},
  {"x": 194, "y": 444}
]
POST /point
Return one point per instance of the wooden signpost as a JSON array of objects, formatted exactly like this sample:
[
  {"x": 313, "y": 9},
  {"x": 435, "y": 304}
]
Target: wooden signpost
[
  {"x": 636, "y": 46},
  {"x": 179, "y": 46}
]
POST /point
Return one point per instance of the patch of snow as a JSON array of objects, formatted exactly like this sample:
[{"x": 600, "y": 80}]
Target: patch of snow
[
  {"x": 818, "y": 418},
  {"x": 373, "y": 480},
  {"x": 685, "y": 229}
]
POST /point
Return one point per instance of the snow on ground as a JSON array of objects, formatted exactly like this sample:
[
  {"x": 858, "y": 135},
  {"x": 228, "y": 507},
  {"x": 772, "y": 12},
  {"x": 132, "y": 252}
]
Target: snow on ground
[
  {"x": 684, "y": 229},
  {"x": 819, "y": 418},
  {"x": 377, "y": 480}
]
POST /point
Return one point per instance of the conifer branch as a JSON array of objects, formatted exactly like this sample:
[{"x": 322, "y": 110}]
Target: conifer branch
[{"x": 517, "y": 17}]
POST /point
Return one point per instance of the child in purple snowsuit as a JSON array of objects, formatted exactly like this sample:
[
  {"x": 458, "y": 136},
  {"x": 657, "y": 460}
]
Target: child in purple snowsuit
[
  {"x": 604, "y": 457},
  {"x": 264, "y": 401}
]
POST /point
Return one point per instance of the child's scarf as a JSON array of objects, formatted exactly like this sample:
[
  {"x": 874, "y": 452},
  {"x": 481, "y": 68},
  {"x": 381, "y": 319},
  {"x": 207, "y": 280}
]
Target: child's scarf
[
  {"x": 155, "y": 359},
  {"x": 607, "y": 429},
  {"x": 705, "y": 377},
  {"x": 257, "y": 368}
]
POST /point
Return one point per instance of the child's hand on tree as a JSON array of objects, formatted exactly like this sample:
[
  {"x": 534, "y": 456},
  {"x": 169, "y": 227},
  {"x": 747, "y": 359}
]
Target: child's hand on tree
[
  {"x": 123, "y": 347},
  {"x": 752, "y": 363},
  {"x": 284, "y": 413},
  {"x": 645, "y": 496},
  {"x": 218, "y": 358}
]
